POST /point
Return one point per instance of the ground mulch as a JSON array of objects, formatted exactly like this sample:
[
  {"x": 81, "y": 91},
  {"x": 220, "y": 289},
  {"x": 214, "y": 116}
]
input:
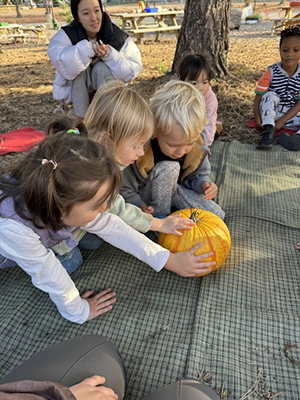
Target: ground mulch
[{"x": 27, "y": 75}]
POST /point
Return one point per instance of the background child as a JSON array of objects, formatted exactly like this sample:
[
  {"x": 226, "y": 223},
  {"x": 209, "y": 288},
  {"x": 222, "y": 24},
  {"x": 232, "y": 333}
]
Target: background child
[
  {"x": 66, "y": 182},
  {"x": 174, "y": 172},
  {"x": 277, "y": 99},
  {"x": 196, "y": 70}
]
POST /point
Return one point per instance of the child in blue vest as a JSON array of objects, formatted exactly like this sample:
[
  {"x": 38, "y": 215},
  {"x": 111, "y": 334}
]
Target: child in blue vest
[
  {"x": 277, "y": 100},
  {"x": 174, "y": 172}
]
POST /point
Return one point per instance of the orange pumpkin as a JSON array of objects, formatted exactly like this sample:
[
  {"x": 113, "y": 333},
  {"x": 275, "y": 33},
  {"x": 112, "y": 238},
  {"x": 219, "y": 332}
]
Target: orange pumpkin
[
  {"x": 141, "y": 6},
  {"x": 209, "y": 229}
]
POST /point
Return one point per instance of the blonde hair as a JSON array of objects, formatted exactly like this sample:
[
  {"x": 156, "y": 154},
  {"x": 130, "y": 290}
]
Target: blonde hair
[
  {"x": 119, "y": 112},
  {"x": 182, "y": 103}
]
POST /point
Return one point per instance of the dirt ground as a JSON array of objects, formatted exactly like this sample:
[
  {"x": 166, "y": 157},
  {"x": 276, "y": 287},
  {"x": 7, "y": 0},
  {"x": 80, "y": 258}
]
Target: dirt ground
[{"x": 27, "y": 74}]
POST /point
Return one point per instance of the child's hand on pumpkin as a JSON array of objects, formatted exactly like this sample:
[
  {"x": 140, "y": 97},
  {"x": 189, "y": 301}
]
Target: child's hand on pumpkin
[
  {"x": 210, "y": 190},
  {"x": 171, "y": 224},
  {"x": 186, "y": 264},
  {"x": 147, "y": 209}
]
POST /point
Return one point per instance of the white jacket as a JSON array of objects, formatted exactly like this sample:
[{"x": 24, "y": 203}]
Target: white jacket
[
  {"x": 49, "y": 275},
  {"x": 70, "y": 60}
]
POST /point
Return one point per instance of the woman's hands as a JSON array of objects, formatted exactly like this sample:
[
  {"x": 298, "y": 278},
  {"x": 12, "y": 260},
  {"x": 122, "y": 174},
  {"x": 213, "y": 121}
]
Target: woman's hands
[
  {"x": 101, "y": 50},
  {"x": 100, "y": 303},
  {"x": 186, "y": 264},
  {"x": 88, "y": 389}
]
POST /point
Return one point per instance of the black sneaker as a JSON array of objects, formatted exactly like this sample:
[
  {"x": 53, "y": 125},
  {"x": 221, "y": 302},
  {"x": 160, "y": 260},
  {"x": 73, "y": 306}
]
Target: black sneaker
[
  {"x": 290, "y": 142},
  {"x": 266, "y": 141}
]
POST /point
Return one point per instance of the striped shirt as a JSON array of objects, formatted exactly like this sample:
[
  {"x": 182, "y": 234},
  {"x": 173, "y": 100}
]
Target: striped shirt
[{"x": 277, "y": 80}]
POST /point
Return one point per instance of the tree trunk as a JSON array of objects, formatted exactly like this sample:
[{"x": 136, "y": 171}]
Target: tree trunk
[
  {"x": 31, "y": 4},
  {"x": 19, "y": 15},
  {"x": 47, "y": 6},
  {"x": 205, "y": 30}
]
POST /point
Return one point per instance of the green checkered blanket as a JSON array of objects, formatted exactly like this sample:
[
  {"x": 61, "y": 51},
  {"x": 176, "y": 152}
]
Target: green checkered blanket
[{"x": 236, "y": 328}]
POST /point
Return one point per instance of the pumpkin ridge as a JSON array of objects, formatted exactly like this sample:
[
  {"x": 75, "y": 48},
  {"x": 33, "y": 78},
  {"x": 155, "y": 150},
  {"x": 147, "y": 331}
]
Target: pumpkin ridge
[{"x": 176, "y": 245}]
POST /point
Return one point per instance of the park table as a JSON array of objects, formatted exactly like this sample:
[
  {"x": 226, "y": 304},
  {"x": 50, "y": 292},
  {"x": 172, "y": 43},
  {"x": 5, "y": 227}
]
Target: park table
[
  {"x": 287, "y": 20},
  {"x": 11, "y": 31},
  {"x": 138, "y": 23},
  {"x": 15, "y": 31}
]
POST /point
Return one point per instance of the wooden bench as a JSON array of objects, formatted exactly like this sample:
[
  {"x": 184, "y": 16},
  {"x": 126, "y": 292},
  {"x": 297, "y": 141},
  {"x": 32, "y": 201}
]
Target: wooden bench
[
  {"x": 282, "y": 23},
  {"x": 139, "y": 33},
  {"x": 14, "y": 36},
  {"x": 38, "y": 31}
]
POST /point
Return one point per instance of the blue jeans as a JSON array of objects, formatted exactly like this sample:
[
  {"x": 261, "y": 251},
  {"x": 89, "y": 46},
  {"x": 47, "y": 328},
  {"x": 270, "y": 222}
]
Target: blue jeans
[{"x": 72, "y": 260}]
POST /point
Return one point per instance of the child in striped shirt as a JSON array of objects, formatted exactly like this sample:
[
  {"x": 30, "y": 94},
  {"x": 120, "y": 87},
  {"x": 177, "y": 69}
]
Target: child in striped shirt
[{"x": 277, "y": 100}]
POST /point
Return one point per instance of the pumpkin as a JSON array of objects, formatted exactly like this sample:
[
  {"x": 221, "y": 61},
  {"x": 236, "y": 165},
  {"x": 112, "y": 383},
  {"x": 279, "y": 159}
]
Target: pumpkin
[
  {"x": 209, "y": 229},
  {"x": 141, "y": 6}
]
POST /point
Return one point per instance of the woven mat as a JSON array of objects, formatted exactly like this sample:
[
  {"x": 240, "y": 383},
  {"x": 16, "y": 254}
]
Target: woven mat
[{"x": 237, "y": 327}]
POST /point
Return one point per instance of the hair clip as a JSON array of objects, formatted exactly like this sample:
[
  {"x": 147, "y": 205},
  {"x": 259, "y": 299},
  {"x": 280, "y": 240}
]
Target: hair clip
[
  {"x": 45, "y": 161},
  {"x": 76, "y": 131}
]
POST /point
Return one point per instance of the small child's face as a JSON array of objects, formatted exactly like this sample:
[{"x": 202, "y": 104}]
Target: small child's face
[
  {"x": 290, "y": 53},
  {"x": 83, "y": 213},
  {"x": 129, "y": 151},
  {"x": 201, "y": 83},
  {"x": 175, "y": 145}
]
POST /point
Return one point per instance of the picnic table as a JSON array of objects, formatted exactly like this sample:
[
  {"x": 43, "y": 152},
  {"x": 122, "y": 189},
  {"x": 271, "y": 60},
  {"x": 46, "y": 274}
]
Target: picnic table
[
  {"x": 136, "y": 23},
  {"x": 15, "y": 31},
  {"x": 287, "y": 20},
  {"x": 12, "y": 31}
]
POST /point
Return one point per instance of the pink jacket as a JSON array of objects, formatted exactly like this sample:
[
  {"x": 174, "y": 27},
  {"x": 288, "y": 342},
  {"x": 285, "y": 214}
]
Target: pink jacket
[{"x": 211, "y": 105}]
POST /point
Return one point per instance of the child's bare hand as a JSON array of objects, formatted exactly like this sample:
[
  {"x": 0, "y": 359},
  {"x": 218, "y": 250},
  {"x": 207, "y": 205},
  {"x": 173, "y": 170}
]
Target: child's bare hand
[
  {"x": 210, "y": 190},
  {"x": 278, "y": 125},
  {"x": 298, "y": 246},
  {"x": 174, "y": 222},
  {"x": 147, "y": 209},
  {"x": 187, "y": 264},
  {"x": 100, "y": 303},
  {"x": 89, "y": 389},
  {"x": 258, "y": 121}
]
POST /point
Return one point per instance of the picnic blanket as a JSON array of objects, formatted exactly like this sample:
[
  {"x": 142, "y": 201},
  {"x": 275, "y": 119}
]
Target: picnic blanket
[{"x": 238, "y": 327}]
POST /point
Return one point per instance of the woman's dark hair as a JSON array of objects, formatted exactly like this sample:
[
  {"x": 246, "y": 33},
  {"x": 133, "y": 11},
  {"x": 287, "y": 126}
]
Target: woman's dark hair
[
  {"x": 74, "y": 8},
  {"x": 288, "y": 32},
  {"x": 191, "y": 67},
  {"x": 75, "y": 169}
]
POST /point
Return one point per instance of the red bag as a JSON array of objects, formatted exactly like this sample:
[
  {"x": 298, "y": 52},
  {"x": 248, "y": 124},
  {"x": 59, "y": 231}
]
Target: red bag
[{"x": 20, "y": 140}]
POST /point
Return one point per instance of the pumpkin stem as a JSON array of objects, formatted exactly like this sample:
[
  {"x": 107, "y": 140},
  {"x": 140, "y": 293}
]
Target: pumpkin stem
[{"x": 193, "y": 217}]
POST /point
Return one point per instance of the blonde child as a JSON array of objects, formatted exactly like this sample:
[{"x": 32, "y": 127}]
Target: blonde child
[
  {"x": 122, "y": 120},
  {"x": 174, "y": 171},
  {"x": 196, "y": 70},
  {"x": 66, "y": 182}
]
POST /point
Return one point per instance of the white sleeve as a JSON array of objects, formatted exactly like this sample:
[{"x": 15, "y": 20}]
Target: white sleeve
[
  {"x": 114, "y": 231},
  {"x": 125, "y": 64},
  {"x": 69, "y": 60},
  {"x": 22, "y": 245}
]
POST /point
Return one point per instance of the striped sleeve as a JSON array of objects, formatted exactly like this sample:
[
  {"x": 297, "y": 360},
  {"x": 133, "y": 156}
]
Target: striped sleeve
[{"x": 264, "y": 82}]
